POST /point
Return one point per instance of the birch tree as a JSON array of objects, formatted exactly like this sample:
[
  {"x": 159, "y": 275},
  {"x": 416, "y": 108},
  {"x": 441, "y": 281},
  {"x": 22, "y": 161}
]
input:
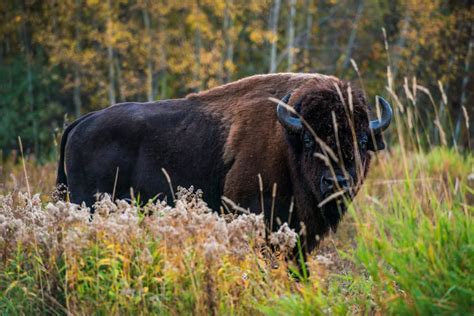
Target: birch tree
[
  {"x": 309, "y": 6},
  {"x": 149, "y": 63},
  {"x": 352, "y": 37},
  {"x": 110, "y": 55},
  {"x": 77, "y": 75},
  {"x": 274, "y": 28},
  {"x": 228, "y": 56},
  {"x": 291, "y": 35}
]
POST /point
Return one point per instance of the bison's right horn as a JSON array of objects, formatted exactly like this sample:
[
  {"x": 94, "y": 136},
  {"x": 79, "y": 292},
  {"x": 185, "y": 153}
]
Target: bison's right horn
[
  {"x": 377, "y": 126},
  {"x": 291, "y": 123}
]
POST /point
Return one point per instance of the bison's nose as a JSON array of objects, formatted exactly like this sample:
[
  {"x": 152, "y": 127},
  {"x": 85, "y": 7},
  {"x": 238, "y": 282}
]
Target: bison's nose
[{"x": 330, "y": 184}]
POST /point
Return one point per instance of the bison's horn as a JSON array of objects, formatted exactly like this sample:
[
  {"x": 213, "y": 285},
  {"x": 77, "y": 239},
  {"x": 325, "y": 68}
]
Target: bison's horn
[
  {"x": 377, "y": 126},
  {"x": 290, "y": 122}
]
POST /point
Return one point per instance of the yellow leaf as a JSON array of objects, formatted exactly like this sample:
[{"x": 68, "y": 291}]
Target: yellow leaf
[
  {"x": 11, "y": 286},
  {"x": 92, "y": 2},
  {"x": 105, "y": 262},
  {"x": 257, "y": 36},
  {"x": 431, "y": 253}
]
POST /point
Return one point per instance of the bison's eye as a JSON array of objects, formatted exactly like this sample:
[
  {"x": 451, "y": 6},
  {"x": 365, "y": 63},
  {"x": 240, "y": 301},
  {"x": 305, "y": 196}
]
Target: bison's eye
[
  {"x": 308, "y": 141},
  {"x": 363, "y": 142}
]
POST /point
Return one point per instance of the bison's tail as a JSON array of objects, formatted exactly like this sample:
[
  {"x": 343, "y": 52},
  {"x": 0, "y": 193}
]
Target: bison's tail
[{"x": 61, "y": 191}]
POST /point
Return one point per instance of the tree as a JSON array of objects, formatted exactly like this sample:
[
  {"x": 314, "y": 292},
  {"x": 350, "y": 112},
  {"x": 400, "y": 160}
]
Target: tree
[{"x": 274, "y": 39}]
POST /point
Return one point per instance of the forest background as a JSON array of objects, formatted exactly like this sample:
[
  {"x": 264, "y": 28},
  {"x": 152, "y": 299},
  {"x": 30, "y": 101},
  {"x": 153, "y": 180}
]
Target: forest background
[{"x": 61, "y": 59}]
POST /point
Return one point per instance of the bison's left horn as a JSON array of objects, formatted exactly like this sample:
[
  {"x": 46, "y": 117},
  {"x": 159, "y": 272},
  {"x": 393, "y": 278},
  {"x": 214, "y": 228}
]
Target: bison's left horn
[
  {"x": 377, "y": 126},
  {"x": 290, "y": 122}
]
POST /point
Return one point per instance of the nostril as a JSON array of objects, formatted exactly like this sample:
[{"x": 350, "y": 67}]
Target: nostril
[
  {"x": 341, "y": 182},
  {"x": 344, "y": 183},
  {"x": 331, "y": 184}
]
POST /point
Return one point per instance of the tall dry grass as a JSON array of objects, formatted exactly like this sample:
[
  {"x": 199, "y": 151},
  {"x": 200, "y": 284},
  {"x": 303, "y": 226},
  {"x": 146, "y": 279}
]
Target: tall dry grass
[{"x": 405, "y": 246}]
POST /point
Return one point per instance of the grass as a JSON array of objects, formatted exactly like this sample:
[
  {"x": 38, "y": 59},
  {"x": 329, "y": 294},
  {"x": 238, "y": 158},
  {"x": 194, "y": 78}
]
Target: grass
[
  {"x": 413, "y": 244},
  {"x": 405, "y": 247},
  {"x": 420, "y": 252}
]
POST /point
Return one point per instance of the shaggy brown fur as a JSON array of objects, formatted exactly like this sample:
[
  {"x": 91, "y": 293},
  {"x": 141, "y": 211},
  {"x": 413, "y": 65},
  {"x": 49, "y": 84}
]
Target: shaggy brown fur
[
  {"x": 220, "y": 140},
  {"x": 257, "y": 143}
]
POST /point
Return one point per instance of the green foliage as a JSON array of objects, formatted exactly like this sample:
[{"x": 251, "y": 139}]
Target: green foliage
[
  {"x": 414, "y": 253},
  {"x": 33, "y": 120},
  {"x": 419, "y": 250}
]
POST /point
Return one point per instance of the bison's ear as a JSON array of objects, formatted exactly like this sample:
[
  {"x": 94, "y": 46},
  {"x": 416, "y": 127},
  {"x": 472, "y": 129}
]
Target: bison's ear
[{"x": 375, "y": 142}]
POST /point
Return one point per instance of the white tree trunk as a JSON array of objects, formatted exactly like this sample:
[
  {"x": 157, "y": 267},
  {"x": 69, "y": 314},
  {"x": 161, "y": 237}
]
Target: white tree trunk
[
  {"x": 163, "y": 62},
  {"x": 118, "y": 77},
  {"x": 77, "y": 91},
  {"x": 149, "y": 64},
  {"x": 291, "y": 35},
  {"x": 29, "y": 80},
  {"x": 110, "y": 57},
  {"x": 229, "y": 41},
  {"x": 274, "y": 30},
  {"x": 308, "y": 28},
  {"x": 352, "y": 37},
  {"x": 77, "y": 74},
  {"x": 401, "y": 43},
  {"x": 197, "y": 52}
]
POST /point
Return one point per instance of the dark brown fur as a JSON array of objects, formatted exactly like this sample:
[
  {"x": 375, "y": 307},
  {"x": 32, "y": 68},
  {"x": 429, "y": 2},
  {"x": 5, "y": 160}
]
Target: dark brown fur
[
  {"x": 220, "y": 140},
  {"x": 257, "y": 144}
]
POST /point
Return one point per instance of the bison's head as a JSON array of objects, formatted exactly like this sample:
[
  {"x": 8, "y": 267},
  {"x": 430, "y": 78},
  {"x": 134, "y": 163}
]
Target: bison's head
[{"x": 330, "y": 136}]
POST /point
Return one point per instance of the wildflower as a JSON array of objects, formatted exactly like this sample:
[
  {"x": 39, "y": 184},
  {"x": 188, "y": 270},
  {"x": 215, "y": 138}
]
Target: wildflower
[
  {"x": 213, "y": 249},
  {"x": 285, "y": 238}
]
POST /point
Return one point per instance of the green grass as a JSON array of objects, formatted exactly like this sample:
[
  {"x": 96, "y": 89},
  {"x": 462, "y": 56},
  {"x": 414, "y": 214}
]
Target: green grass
[
  {"x": 406, "y": 247},
  {"x": 418, "y": 245},
  {"x": 414, "y": 247}
]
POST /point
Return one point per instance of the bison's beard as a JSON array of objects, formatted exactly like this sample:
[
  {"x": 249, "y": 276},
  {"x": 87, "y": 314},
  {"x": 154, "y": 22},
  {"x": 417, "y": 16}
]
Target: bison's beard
[{"x": 333, "y": 211}]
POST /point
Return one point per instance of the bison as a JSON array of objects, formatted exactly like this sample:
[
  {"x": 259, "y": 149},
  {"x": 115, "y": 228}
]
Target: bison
[{"x": 311, "y": 149}]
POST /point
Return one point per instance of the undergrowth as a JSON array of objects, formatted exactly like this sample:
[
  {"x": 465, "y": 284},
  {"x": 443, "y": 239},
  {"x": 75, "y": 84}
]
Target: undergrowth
[{"x": 406, "y": 246}]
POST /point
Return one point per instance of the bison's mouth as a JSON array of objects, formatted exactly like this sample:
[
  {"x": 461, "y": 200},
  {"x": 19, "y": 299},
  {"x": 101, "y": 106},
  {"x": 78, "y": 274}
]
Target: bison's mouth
[{"x": 333, "y": 206}]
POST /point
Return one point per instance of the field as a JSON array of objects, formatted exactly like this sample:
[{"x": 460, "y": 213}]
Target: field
[
  {"x": 405, "y": 247},
  {"x": 406, "y": 244}
]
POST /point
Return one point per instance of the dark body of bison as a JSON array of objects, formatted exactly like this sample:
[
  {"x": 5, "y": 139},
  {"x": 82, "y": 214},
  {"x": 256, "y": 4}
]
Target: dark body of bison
[{"x": 220, "y": 140}]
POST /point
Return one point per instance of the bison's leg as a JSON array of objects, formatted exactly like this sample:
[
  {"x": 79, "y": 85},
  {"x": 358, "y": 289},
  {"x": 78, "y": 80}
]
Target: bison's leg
[
  {"x": 97, "y": 170},
  {"x": 80, "y": 184}
]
